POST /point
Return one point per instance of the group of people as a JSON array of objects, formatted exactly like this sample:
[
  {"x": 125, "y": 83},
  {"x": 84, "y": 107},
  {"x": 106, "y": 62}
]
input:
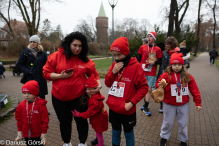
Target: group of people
[{"x": 76, "y": 90}]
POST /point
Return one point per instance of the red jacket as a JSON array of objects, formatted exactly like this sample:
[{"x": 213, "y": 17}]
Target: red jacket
[
  {"x": 135, "y": 83},
  {"x": 97, "y": 113},
  {"x": 40, "y": 119},
  {"x": 192, "y": 87},
  {"x": 62, "y": 88}
]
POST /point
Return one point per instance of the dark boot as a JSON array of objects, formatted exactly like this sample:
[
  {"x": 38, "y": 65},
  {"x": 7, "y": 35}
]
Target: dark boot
[{"x": 94, "y": 142}]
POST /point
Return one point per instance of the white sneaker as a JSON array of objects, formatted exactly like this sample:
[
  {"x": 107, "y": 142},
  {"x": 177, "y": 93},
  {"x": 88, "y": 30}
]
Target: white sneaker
[
  {"x": 81, "y": 144},
  {"x": 67, "y": 144}
]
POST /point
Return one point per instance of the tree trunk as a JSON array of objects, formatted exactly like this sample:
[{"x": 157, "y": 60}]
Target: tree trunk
[
  {"x": 198, "y": 29},
  {"x": 214, "y": 46},
  {"x": 171, "y": 17}
]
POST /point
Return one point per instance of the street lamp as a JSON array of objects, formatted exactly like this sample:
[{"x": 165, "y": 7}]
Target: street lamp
[{"x": 113, "y": 4}]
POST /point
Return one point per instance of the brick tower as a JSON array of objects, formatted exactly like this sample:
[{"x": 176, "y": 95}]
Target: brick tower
[{"x": 102, "y": 26}]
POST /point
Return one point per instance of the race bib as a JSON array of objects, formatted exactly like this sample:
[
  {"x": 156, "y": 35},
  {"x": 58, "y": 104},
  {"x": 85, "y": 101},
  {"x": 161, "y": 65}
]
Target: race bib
[
  {"x": 184, "y": 90},
  {"x": 148, "y": 69},
  {"x": 117, "y": 92},
  {"x": 179, "y": 99}
]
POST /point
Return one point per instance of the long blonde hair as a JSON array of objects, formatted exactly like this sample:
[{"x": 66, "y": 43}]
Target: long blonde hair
[
  {"x": 38, "y": 46},
  {"x": 185, "y": 77}
]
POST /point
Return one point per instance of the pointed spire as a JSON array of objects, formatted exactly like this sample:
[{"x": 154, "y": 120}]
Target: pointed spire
[{"x": 102, "y": 11}]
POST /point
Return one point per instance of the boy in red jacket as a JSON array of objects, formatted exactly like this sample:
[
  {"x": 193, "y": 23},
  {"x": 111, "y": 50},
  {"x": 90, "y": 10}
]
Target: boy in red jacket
[
  {"x": 176, "y": 98},
  {"x": 128, "y": 86},
  {"x": 96, "y": 111},
  {"x": 32, "y": 116},
  {"x": 146, "y": 52}
]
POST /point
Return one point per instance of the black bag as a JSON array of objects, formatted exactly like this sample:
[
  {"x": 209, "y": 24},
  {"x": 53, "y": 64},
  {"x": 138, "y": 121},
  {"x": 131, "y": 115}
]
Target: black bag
[
  {"x": 24, "y": 79},
  {"x": 188, "y": 65}
]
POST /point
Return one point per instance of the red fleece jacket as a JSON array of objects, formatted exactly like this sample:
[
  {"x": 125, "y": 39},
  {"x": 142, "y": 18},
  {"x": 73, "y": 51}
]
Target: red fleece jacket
[
  {"x": 192, "y": 86},
  {"x": 97, "y": 113},
  {"x": 73, "y": 87},
  {"x": 135, "y": 87},
  {"x": 40, "y": 118}
]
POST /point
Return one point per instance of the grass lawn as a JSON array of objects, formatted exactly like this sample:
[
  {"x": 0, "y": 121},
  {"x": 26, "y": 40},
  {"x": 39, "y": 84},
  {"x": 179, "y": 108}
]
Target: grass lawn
[
  {"x": 6, "y": 107},
  {"x": 216, "y": 62},
  {"x": 102, "y": 66},
  {"x": 94, "y": 56},
  {"x": 193, "y": 57}
]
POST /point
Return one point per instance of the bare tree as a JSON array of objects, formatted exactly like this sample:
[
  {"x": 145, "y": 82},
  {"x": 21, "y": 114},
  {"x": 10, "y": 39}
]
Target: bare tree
[
  {"x": 30, "y": 11},
  {"x": 213, "y": 7},
  {"x": 198, "y": 29},
  {"x": 6, "y": 5}
]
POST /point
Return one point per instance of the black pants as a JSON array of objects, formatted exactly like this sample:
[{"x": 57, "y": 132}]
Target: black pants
[
  {"x": 33, "y": 141},
  {"x": 63, "y": 111}
]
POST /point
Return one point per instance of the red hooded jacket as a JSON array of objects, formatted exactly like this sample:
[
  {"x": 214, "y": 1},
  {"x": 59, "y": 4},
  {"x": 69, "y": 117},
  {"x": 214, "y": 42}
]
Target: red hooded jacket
[
  {"x": 135, "y": 87},
  {"x": 62, "y": 88},
  {"x": 192, "y": 87},
  {"x": 97, "y": 113},
  {"x": 40, "y": 119}
]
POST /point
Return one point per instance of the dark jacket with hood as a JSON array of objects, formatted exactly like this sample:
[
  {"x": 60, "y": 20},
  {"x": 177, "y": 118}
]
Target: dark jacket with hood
[
  {"x": 33, "y": 67},
  {"x": 213, "y": 53}
]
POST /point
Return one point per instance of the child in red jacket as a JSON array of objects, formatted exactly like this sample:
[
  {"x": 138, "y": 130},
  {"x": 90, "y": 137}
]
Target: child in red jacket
[
  {"x": 96, "y": 110},
  {"x": 176, "y": 98},
  {"x": 128, "y": 86},
  {"x": 32, "y": 116}
]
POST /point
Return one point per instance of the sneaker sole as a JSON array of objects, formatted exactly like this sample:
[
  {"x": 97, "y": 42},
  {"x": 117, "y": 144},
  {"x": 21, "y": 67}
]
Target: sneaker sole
[{"x": 146, "y": 113}]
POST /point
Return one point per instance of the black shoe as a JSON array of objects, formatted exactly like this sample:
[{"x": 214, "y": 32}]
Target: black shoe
[
  {"x": 146, "y": 111},
  {"x": 183, "y": 143},
  {"x": 94, "y": 142},
  {"x": 48, "y": 113},
  {"x": 4, "y": 76},
  {"x": 163, "y": 142},
  {"x": 161, "y": 109}
]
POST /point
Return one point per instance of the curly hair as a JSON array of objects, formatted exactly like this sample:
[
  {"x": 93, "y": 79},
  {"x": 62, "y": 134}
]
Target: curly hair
[
  {"x": 172, "y": 41},
  {"x": 69, "y": 39},
  {"x": 185, "y": 77}
]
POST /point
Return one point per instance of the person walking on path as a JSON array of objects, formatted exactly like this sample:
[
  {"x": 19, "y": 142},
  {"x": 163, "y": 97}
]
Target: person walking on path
[
  {"x": 31, "y": 115},
  {"x": 96, "y": 111},
  {"x": 185, "y": 52},
  {"x": 2, "y": 70},
  {"x": 128, "y": 86},
  {"x": 176, "y": 99},
  {"x": 31, "y": 62},
  {"x": 68, "y": 69},
  {"x": 213, "y": 54},
  {"x": 149, "y": 57}
]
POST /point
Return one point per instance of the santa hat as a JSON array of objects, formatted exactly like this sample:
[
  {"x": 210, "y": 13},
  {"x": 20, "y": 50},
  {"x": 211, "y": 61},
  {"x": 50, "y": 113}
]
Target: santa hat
[
  {"x": 183, "y": 44},
  {"x": 31, "y": 87},
  {"x": 121, "y": 45},
  {"x": 176, "y": 58},
  {"x": 154, "y": 35},
  {"x": 91, "y": 82}
]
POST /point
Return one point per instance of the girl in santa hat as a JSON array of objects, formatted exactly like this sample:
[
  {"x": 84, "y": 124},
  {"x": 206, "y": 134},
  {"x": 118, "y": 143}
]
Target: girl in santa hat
[
  {"x": 96, "y": 110},
  {"x": 128, "y": 86},
  {"x": 176, "y": 98}
]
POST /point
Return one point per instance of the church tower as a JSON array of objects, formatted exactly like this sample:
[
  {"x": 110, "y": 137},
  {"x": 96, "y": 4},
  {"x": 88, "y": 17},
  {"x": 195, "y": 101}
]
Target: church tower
[{"x": 102, "y": 26}]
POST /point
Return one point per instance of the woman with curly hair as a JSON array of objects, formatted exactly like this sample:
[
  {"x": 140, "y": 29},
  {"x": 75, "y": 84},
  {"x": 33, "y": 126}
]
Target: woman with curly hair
[
  {"x": 176, "y": 98},
  {"x": 68, "y": 68},
  {"x": 31, "y": 62}
]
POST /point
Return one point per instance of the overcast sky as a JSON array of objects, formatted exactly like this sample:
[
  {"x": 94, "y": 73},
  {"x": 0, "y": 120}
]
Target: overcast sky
[{"x": 69, "y": 13}]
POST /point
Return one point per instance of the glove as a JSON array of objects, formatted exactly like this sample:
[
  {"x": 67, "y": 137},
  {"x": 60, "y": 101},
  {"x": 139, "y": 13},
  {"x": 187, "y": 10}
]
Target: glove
[
  {"x": 75, "y": 113},
  {"x": 43, "y": 138},
  {"x": 19, "y": 136}
]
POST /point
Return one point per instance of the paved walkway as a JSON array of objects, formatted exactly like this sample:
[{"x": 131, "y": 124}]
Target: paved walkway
[{"x": 203, "y": 125}]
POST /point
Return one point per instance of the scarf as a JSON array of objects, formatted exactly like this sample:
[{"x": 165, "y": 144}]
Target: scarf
[
  {"x": 33, "y": 50},
  {"x": 125, "y": 61}
]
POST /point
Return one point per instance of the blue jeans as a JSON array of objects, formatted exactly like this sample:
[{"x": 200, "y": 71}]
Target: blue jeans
[{"x": 212, "y": 58}]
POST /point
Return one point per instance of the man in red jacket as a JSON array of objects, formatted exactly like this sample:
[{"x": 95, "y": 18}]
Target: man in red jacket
[
  {"x": 128, "y": 86},
  {"x": 32, "y": 116}
]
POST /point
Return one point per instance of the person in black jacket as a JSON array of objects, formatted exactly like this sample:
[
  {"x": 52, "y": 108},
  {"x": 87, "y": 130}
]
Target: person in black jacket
[
  {"x": 2, "y": 70},
  {"x": 213, "y": 54},
  {"x": 31, "y": 62}
]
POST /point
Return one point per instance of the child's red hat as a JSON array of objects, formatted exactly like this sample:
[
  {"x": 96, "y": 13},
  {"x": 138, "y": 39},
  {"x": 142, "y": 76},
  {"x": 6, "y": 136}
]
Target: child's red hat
[
  {"x": 121, "y": 45},
  {"x": 176, "y": 58},
  {"x": 31, "y": 87},
  {"x": 91, "y": 82},
  {"x": 154, "y": 34}
]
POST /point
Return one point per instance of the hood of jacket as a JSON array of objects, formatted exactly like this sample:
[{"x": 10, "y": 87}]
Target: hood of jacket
[
  {"x": 40, "y": 101},
  {"x": 61, "y": 49},
  {"x": 98, "y": 96}
]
